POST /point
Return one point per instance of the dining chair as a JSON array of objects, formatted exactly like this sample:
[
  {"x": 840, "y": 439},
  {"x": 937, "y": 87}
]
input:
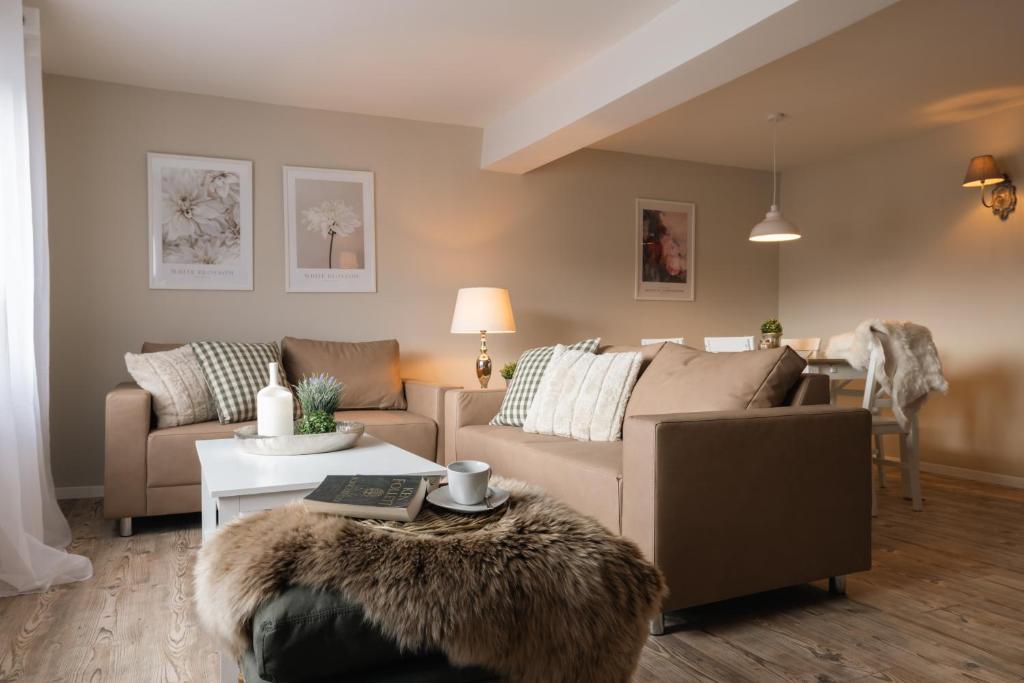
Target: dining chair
[
  {"x": 673, "y": 340},
  {"x": 728, "y": 344},
  {"x": 802, "y": 346},
  {"x": 875, "y": 399}
]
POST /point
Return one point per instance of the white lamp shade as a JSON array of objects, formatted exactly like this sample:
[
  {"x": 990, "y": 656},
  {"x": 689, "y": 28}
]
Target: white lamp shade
[
  {"x": 483, "y": 309},
  {"x": 774, "y": 228}
]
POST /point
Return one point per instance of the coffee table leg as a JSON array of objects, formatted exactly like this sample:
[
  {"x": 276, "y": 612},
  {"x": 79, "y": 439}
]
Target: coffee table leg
[
  {"x": 209, "y": 508},
  {"x": 228, "y": 670}
]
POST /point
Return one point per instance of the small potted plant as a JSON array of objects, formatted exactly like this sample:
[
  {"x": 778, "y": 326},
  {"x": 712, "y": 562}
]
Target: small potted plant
[
  {"x": 318, "y": 395},
  {"x": 771, "y": 333},
  {"x": 507, "y": 371}
]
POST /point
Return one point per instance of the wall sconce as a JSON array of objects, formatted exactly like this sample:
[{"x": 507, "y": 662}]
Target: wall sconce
[{"x": 982, "y": 172}]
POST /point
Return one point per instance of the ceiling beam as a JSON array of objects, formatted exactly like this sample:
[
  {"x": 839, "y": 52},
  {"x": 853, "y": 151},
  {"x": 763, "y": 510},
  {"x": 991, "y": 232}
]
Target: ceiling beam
[{"x": 690, "y": 48}]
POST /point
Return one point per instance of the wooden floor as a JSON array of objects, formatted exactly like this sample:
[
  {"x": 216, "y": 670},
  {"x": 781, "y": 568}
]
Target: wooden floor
[{"x": 945, "y": 601}]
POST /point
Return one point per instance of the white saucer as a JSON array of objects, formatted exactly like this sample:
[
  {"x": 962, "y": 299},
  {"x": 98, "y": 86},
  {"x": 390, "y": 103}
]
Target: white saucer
[{"x": 440, "y": 497}]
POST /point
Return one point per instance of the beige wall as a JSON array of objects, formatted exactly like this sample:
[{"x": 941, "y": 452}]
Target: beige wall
[
  {"x": 890, "y": 233},
  {"x": 560, "y": 238}
]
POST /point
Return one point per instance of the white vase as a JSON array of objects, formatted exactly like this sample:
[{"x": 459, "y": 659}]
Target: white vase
[{"x": 274, "y": 408}]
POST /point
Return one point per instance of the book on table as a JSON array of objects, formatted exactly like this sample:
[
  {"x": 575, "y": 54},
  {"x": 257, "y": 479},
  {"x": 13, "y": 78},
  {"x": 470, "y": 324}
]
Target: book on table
[{"x": 369, "y": 497}]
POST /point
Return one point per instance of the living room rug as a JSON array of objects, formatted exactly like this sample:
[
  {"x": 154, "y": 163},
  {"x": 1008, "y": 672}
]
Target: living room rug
[{"x": 533, "y": 591}]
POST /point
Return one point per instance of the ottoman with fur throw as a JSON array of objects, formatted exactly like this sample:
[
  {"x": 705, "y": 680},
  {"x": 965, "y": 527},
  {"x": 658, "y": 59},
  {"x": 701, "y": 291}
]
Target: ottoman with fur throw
[{"x": 532, "y": 591}]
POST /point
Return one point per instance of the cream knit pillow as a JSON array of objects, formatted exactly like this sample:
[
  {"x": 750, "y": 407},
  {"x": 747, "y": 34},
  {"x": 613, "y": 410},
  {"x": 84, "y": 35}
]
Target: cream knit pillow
[
  {"x": 583, "y": 395},
  {"x": 176, "y": 381}
]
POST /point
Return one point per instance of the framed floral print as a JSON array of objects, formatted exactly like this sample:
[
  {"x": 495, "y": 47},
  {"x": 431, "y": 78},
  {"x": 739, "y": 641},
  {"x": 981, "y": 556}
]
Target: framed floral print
[
  {"x": 330, "y": 237},
  {"x": 664, "y": 250},
  {"x": 200, "y": 222}
]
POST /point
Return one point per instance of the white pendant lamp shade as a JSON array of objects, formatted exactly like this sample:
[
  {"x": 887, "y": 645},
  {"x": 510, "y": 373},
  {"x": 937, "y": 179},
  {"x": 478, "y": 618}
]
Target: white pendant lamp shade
[{"x": 774, "y": 228}]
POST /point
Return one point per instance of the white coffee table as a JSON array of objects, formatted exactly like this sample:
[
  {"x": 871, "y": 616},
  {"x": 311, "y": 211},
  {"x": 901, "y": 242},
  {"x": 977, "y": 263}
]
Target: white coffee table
[{"x": 236, "y": 483}]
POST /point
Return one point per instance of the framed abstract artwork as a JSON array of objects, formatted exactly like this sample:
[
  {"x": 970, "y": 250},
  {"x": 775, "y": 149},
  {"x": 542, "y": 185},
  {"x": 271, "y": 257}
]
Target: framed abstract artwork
[
  {"x": 200, "y": 222},
  {"x": 330, "y": 234},
  {"x": 664, "y": 250}
]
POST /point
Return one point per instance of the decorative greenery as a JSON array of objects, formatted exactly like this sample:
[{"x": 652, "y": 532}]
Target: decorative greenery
[
  {"x": 317, "y": 422},
  {"x": 508, "y": 369},
  {"x": 319, "y": 394},
  {"x": 771, "y": 326}
]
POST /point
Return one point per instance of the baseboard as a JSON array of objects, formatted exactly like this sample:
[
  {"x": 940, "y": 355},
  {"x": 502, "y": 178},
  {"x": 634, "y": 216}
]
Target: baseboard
[
  {"x": 1007, "y": 480},
  {"x": 69, "y": 492},
  {"x": 974, "y": 475}
]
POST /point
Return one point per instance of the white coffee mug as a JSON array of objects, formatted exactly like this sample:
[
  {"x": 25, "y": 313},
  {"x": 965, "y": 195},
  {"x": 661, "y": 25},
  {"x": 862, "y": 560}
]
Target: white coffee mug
[{"x": 467, "y": 481}]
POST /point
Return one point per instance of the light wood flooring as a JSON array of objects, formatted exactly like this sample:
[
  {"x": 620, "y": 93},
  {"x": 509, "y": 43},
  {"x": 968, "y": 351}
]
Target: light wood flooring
[{"x": 945, "y": 601}]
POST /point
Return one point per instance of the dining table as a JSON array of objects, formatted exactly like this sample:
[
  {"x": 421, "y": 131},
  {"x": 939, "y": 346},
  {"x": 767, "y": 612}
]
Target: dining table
[{"x": 838, "y": 370}]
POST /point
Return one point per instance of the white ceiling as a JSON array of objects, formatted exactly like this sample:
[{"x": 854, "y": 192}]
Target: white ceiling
[
  {"x": 452, "y": 61},
  {"x": 915, "y": 65}
]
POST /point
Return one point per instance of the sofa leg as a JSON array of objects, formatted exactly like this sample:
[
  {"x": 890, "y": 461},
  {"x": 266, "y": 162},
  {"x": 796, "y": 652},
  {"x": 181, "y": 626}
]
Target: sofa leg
[
  {"x": 658, "y": 624},
  {"x": 837, "y": 585},
  {"x": 124, "y": 526}
]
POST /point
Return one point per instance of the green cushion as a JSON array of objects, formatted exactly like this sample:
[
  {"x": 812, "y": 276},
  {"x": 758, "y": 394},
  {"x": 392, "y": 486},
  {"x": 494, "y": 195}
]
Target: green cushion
[{"x": 309, "y": 636}]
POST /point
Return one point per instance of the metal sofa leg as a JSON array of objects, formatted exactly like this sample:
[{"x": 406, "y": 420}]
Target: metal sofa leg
[
  {"x": 658, "y": 624},
  {"x": 124, "y": 526},
  {"x": 837, "y": 585}
]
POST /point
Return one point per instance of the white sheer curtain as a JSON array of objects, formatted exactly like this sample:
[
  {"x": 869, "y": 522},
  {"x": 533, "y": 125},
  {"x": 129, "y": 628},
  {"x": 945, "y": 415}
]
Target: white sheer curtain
[{"x": 32, "y": 529}]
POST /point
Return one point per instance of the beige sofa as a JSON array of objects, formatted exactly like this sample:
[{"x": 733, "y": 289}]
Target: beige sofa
[
  {"x": 150, "y": 471},
  {"x": 726, "y": 503}
]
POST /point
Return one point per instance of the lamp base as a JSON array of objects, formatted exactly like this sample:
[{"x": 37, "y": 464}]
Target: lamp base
[{"x": 483, "y": 362}]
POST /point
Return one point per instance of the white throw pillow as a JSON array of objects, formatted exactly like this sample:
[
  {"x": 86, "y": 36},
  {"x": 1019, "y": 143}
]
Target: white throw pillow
[
  {"x": 175, "y": 379},
  {"x": 583, "y": 395}
]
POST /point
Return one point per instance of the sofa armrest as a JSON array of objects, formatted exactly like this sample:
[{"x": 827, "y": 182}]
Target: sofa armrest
[
  {"x": 127, "y": 424},
  {"x": 426, "y": 399},
  {"x": 735, "y": 502},
  {"x": 464, "y": 407}
]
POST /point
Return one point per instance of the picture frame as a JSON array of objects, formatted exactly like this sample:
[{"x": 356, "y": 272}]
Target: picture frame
[
  {"x": 330, "y": 230},
  {"x": 665, "y": 252},
  {"x": 200, "y": 222}
]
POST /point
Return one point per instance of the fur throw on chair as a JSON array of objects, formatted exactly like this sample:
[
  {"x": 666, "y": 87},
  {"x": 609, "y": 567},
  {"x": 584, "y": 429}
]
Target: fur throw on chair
[
  {"x": 533, "y": 591},
  {"x": 912, "y": 368}
]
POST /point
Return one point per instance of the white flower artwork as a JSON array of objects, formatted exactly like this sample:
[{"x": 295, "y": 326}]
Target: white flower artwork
[
  {"x": 200, "y": 223},
  {"x": 329, "y": 230}
]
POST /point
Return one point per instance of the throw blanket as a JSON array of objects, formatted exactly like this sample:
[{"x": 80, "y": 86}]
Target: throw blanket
[
  {"x": 912, "y": 368},
  {"x": 533, "y": 591},
  {"x": 583, "y": 395}
]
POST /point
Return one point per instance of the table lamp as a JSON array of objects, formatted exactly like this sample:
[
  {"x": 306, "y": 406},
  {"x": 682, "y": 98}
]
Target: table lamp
[{"x": 482, "y": 310}]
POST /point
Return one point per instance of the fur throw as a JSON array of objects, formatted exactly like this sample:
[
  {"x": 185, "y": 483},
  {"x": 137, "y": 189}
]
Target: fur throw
[
  {"x": 912, "y": 368},
  {"x": 533, "y": 591}
]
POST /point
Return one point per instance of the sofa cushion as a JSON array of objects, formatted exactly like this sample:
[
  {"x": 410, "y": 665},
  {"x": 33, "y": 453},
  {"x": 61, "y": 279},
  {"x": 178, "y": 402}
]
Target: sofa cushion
[
  {"x": 584, "y": 474},
  {"x": 171, "y": 458},
  {"x": 157, "y": 347},
  {"x": 235, "y": 372},
  {"x": 583, "y": 395},
  {"x": 684, "y": 380},
  {"x": 369, "y": 370},
  {"x": 529, "y": 372},
  {"x": 176, "y": 382},
  {"x": 410, "y": 431},
  {"x": 647, "y": 352}
]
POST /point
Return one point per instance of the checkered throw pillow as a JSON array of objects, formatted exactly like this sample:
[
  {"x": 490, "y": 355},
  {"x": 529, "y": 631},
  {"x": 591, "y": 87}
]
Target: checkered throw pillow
[
  {"x": 525, "y": 382},
  {"x": 235, "y": 372}
]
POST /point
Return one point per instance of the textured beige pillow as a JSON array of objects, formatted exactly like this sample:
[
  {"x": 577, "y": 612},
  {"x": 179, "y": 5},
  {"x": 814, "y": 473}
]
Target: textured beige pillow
[
  {"x": 684, "y": 380},
  {"x": 175, "y": 379}
]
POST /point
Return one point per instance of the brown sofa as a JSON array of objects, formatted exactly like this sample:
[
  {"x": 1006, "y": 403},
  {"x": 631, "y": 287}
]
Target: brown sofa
[
  {"x": 150, "y": 471},
  {"x": 726, "y": 502}
]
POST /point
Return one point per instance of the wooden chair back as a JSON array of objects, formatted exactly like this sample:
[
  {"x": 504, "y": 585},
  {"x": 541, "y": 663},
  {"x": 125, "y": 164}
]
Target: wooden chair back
[{"x": 728, "y": 344}]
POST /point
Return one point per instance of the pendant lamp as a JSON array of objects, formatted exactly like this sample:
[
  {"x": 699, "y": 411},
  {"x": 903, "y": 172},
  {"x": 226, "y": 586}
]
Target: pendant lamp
[{"x": 774, "y": 228}]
